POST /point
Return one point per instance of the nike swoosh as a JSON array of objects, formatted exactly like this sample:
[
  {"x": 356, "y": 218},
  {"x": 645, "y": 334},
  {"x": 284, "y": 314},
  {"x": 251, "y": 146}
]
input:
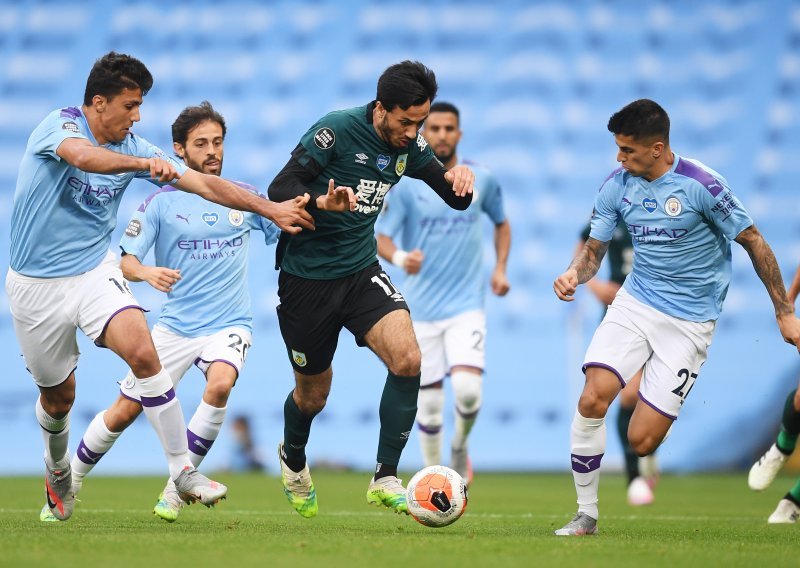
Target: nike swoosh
[{"x": 59, "y": 505}]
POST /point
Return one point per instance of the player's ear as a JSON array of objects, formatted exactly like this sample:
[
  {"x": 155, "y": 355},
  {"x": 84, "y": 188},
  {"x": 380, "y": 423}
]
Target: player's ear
[
  {"x": 178, "y": 148},
  {"x": 99, "y": 103},
  {"x": 658, "y": 148}
]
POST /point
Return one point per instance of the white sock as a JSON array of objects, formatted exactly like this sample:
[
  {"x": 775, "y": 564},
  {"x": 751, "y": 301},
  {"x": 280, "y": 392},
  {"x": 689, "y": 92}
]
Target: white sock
[
  {"x": 55, "y": 433},
  {"x": 587, "y": 444},
  {"x": 203, "y": 429},
  {"x": 96, "y": 441},
  {"x": 467, "y": 389},
  {"x": 430, "y": 404},
  {"x": 164, "y": 413}
]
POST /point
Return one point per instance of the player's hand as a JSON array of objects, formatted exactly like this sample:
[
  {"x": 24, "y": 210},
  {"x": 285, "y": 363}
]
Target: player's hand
[
  {"x": 162, "y": 170},
  {"x": 160, "y": 278},
  {"x": 790, "y": 329},
  {"x": 291, "y": 216},
  {"x": 461, "y": 178},
  {"x": 340, "y": 198},
  {"x": 413, "y": 262},
  {"x": 499, "y": 282},
  {"x": 565, "y": 285}
]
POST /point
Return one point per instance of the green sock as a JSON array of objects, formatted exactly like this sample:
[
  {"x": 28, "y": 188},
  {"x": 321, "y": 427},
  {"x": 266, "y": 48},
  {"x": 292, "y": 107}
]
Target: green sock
[
  {"x": 794, "y": 493},
  {"x": 398, "y": 410},
  {"x": 631, "y": 459},
  {"x": 790, "y": 426},
  {"x": 296, "y": 430}
]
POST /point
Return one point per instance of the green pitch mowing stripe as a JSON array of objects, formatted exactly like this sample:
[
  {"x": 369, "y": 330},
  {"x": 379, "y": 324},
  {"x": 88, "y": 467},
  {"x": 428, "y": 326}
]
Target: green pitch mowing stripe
[{"x": 706, "y": 520}]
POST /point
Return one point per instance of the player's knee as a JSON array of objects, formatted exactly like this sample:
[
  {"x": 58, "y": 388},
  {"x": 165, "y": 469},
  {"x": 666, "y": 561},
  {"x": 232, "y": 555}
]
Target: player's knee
[
  {"x": 429, "y": 407},
  {"x": 468, "y": 389},
  {"x": 218, "y": 389},
  {"x": 591, "y": 405},
  {"x": 143, "y": 361},
  {"x": 643, "y": 443},
  {"x": 407, "y": 363},
  {"x": 311, "y": 403}
]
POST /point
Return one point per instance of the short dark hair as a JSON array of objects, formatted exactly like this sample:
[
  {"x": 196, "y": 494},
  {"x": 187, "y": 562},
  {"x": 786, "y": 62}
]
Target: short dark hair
[
  {"x": 641, "y": 119},
  {"x": 406, "y": 84},
  {"x": 191, "y": 116},
  {"x": 442, "y": 106},
  {"x": 115, "y": 72}
]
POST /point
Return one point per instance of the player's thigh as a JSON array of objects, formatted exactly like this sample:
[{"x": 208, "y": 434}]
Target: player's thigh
[
  {"x": 176, "y": 353},
  {"x": 377, "y": 315},
  {"x": 679, "y": 351},
  {"x": 430, "y": 337},
  {"x": 392, "y": 339},
  {"x": 310, "y": 321},
  {"x": 44, "y": 312},
  {"x": 619, "y": 344},
  {"x": 102, "y": 294},
  {"x": 465, "y": 340},
  {"x": 228, "y": 347}
]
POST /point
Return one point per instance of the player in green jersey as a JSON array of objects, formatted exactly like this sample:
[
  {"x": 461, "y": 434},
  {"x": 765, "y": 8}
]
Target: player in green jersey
[{"x": 347, "y": 161}]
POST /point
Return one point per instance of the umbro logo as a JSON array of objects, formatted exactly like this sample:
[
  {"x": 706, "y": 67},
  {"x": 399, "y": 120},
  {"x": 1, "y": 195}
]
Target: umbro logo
[{"x": 361, "y": 158}]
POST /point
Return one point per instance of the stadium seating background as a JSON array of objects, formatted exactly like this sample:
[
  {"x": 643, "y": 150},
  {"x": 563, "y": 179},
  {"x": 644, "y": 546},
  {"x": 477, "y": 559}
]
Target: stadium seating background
[{"x": 536, "y": 82}]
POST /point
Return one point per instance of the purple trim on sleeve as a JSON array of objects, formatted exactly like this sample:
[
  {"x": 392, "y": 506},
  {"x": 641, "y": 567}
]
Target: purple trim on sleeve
[
  {"x": 585, "y": 464},
  {"x": 651, "y": 405},
  {"x": 151, "y": 401},
  {"x": 146, "y": 202},
  {"x": 247, "y": 186},
  {"x": 688, "y": 169},
  {"x": 108, "y": 321},
  {"x": 87, "y": 456},
  {"x": 70, "y": 112},
  {"x": 429, "y": 429},
  {"x": 198, "y": 445},
  {"x": 611, "y": 175},
  {"x": 603, "y": 366}
]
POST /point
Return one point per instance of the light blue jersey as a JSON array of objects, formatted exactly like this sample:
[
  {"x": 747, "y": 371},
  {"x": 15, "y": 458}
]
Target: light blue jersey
[
  {"x": 209, "y": 243},
  {"x": 681, "y": 225},
  {"x": 451, "y": 280},
  {"x": 63, "y": 217}
]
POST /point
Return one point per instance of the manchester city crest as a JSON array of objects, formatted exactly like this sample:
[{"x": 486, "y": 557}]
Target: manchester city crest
[
  {"x": 673, "y": 206},
  {"x": 235, "y": 218}
]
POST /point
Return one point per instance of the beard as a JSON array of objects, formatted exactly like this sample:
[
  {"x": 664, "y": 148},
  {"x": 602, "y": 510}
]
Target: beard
[{"x": 445, "y": 157}]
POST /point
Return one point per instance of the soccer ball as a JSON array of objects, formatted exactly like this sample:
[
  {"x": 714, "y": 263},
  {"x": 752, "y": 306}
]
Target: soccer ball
[{"x": 436, "y": 496}]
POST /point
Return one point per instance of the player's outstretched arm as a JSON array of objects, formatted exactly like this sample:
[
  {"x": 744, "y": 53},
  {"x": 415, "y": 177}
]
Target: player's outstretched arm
[
  {"x": 410, "y": 261},
  {"x": 502, "y": 246},
  {"x": 454, "y": 186},
  {"x": 290, "y": 216},
  {"x": 160, "y": 278},
  {"x": 82, "y": 154},
  {"x": 582, "y": 268},
  {"x": 766, "y": 266}
]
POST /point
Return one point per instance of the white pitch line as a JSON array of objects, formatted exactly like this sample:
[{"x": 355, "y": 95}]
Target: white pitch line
[{"x": 250, "y": 512}]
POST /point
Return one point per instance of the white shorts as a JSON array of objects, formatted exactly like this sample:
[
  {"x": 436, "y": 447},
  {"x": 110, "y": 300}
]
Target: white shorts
[
  {"x": 633, "y": 335},
  {"x": 47, "y": 311},
  {"x": 456, "y": 341},
  {"x": 178, "y": 353}
]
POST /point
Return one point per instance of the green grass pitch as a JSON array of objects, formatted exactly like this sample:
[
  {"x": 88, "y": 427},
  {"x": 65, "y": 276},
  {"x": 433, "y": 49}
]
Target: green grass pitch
[{"x": 699, "y": 520}]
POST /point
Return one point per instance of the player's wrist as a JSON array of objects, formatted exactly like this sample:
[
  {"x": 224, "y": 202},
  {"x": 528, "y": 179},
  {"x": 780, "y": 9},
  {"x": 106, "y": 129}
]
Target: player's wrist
[{"x": 399, "y": 258}]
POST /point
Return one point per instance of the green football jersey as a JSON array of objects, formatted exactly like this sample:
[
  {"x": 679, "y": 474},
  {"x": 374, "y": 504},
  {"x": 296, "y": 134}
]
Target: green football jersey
[{"x": 347, "y": 147}]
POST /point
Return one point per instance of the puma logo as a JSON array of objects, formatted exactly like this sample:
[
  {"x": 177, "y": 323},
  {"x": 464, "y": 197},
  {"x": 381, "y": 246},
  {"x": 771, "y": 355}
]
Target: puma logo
[
  {"x": 586, "y": 464},
  {"x": 179, "y": 216}
]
